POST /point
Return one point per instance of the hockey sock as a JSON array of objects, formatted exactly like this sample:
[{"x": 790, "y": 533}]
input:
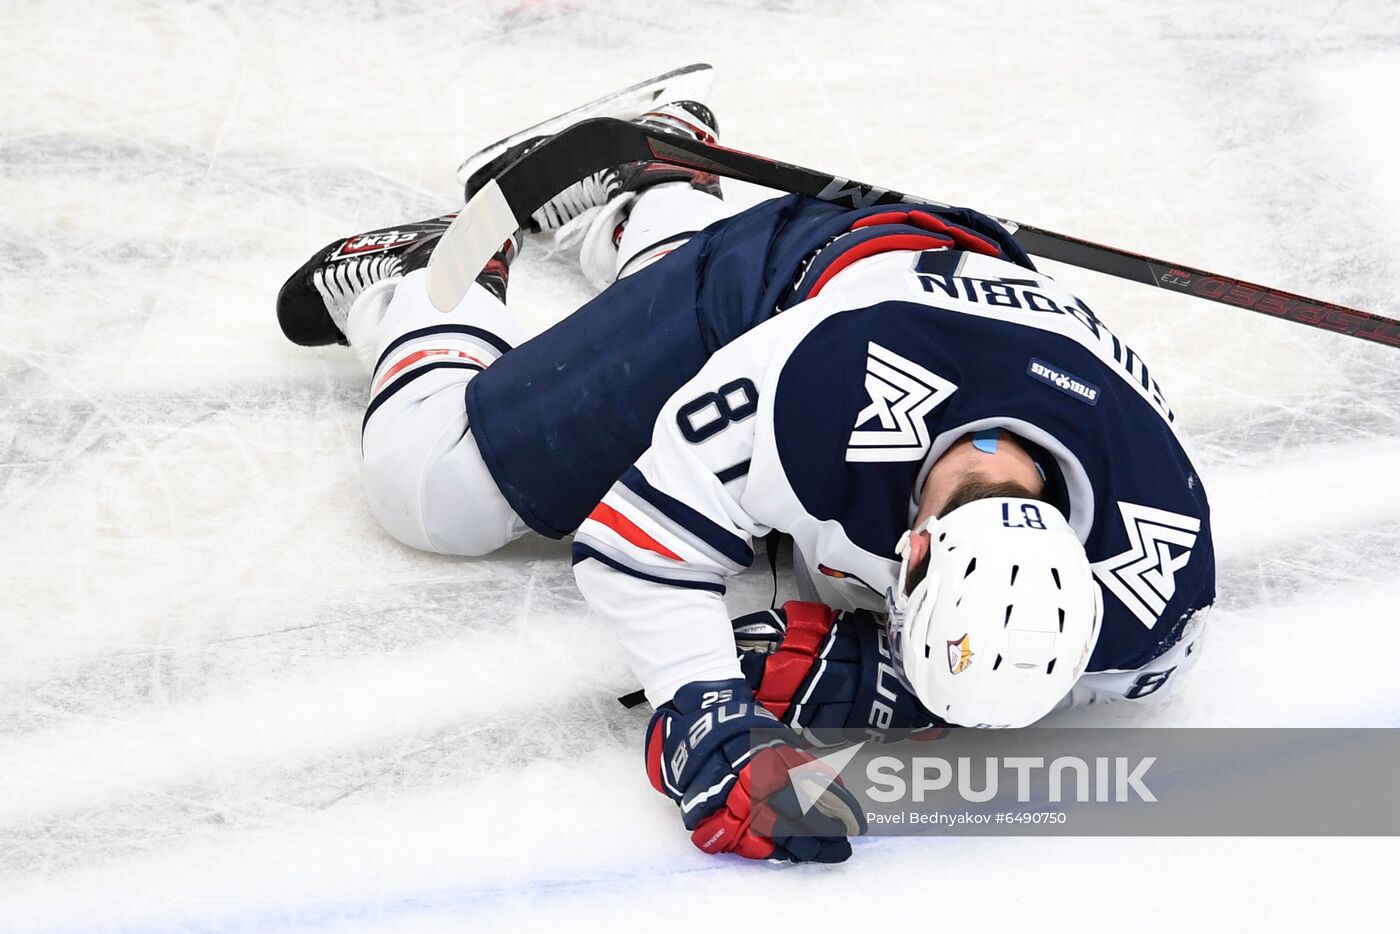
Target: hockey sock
[{"x": 662, "y": 219}]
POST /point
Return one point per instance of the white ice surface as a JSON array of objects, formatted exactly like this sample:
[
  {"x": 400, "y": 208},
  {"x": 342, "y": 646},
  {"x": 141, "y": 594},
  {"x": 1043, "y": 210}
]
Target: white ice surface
[{"x": 227, "y": 702}]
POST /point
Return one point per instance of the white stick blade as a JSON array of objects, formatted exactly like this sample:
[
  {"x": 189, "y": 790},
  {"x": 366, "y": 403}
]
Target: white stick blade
[{"x": 469, "y": 243}]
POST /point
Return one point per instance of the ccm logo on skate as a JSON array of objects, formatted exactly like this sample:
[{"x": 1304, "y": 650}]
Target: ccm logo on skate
[
  {"x": 1064, "y": 382},
  {"x": 358, "y": 246}
]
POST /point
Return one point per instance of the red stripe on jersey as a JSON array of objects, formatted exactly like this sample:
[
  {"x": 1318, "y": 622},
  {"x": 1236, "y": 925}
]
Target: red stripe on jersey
[
  {"x": 644, "y": 260},
  {"x": 878, "y": 245},
  {"x": 605, "y": 514},
  {"x": 413, "y": 358}
]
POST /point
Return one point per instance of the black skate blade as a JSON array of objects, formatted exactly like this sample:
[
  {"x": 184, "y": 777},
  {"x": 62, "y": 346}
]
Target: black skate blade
[{"x": 691, "y": 82}]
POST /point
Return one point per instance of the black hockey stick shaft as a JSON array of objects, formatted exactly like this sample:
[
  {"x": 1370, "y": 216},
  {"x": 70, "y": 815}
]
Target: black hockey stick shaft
[
  {"x": 1124, "y": 264},
  {"x": 596, "y": 144}
]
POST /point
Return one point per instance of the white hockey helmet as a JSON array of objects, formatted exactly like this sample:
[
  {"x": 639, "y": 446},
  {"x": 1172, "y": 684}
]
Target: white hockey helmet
[{"x": 1004, "y": 620}]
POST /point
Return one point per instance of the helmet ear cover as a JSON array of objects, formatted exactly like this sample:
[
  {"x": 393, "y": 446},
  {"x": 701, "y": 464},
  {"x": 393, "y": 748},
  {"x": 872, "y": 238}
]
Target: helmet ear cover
[{"x": 1003, "y": 620}]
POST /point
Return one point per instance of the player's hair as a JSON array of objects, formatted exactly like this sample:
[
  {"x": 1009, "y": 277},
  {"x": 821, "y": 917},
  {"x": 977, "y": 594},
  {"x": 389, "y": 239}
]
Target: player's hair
[
  {"x": 970, "y": 490},
  {"x": 974, "y": 488}
]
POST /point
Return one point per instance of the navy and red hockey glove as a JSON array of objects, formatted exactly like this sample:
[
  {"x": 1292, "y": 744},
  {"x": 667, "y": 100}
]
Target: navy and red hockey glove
[
  {"x": 816, "y": 668},
  {"x": 737, "y": 800}
]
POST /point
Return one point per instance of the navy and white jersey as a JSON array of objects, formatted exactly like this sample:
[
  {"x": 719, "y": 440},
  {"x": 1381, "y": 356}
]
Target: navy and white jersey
[
  {"x": 560, "y": 417},
  {"x": 823, "y": 422}
]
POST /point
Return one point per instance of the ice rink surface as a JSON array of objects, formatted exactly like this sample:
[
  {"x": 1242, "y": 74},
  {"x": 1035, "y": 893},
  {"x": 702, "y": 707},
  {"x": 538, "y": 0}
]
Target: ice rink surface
[{"x": 228, "y": 702}]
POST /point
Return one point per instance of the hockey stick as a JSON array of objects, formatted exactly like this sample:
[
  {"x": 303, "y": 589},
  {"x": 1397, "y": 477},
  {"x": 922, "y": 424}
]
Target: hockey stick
[{"x": 506, "y": 203}]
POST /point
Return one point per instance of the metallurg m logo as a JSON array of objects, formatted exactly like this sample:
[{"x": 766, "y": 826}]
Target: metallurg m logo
[
  {"x": 902, "y": 393},
  {"x": 1144, "y": 576}
]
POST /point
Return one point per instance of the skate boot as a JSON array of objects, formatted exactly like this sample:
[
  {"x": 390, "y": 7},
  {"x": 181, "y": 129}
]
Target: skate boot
[
  {"x": 315, "y": 302},
  {"x": 684, "y": 118},
  {"x": 602, "y": 235}
]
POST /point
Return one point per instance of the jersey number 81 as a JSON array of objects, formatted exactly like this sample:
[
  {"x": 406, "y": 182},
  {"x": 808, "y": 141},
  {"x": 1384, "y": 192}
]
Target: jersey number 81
[{"x": 707, "y": 415}]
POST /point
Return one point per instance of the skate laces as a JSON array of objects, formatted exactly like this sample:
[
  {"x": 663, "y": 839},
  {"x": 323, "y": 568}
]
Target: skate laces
[
  {"x": 341, "y": 283},
  {"x": 597, "y": 189},
  {"x": 591, "y": 192}
]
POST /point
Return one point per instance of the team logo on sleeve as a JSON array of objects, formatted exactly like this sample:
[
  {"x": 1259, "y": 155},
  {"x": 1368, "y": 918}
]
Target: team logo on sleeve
[
  {"x": 902, "y": 393},
  {"x": 1144, "y": 576}
]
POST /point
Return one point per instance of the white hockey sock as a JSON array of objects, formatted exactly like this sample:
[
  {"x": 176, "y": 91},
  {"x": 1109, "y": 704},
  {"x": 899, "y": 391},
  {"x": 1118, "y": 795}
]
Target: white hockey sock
[
  {"x": 424, "y": 476},
  {"x": 410, "y": 334},
  {"x": 663, "y": 219},
  {"x": 362, "y": 321}
]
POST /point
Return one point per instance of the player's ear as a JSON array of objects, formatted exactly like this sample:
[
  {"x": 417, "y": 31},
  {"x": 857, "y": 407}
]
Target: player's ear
[{"x": 918, "y": 558}]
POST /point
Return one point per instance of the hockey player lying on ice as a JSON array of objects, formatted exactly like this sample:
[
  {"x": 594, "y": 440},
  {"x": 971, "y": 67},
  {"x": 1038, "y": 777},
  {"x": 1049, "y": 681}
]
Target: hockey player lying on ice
[{"x": 956, "y": 444}]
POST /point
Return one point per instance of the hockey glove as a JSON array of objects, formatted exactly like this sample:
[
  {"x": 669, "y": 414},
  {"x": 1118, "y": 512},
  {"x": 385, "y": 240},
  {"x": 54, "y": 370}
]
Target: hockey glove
[
  {"x": 816, "y": 668},
  {"x": 732, "y": 799}
]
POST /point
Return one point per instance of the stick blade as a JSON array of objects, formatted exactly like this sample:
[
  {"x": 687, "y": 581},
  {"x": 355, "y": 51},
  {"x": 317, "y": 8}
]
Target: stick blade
[{"x": 467, "y": 245}]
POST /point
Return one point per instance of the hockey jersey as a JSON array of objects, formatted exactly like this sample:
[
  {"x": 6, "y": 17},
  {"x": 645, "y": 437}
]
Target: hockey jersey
[{"x": 823, "y": 422}]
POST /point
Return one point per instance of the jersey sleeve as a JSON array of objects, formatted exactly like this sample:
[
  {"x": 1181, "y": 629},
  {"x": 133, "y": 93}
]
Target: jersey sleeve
[
  {"x": 654, "y": 555},
  {"x": 1156, "y": 681}
]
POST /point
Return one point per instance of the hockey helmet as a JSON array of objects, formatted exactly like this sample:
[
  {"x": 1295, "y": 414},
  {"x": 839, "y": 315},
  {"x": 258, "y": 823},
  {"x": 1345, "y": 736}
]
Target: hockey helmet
[{"x": 1004, "y": 618}]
